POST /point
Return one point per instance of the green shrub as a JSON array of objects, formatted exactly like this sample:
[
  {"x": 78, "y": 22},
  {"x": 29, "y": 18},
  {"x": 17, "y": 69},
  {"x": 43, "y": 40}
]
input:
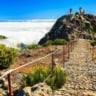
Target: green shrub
[
  {"x": 93, "y": 42},
  {"x": 55, "y": 42},
  {"x": 49, "y": 42},
  {"x": 56, "y": 79},
  {"x": 21, "y": 46},
  {"x": 3, "y": 37},
  {"x": 7, "y": 56},
  {"x": 59, "y": 42},
  {"x": 38, "y": 75},
  {"x": 32, "y": 46}
]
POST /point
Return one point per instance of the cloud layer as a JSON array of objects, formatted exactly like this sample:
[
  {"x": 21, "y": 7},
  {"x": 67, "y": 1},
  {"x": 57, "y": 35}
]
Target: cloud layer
[{"x": 25, "y": 32}]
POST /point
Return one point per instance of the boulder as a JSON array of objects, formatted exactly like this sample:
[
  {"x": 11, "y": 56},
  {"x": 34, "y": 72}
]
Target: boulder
[
  {"x": 88, "y": 93},
  {"x": 1, "y": 83},
  {"x": 3, "y": 92},
  {"x": 41, "y": 89}
]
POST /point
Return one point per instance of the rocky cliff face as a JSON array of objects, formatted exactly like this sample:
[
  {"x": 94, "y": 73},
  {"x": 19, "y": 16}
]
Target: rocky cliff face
[{"x": 72, "y": 25}]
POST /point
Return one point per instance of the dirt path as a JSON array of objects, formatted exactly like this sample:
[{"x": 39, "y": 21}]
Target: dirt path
[{"x": 81, "y": 72}]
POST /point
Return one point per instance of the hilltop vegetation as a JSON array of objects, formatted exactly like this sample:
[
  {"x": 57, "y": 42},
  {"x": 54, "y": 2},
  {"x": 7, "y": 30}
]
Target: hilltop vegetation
[
  {"x": 93, "y": 42},
  {"x": 55, "y": 42}
]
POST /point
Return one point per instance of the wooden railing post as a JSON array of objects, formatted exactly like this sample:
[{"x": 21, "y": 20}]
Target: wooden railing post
[
  {"x": 70, "y": 46},
  {"x": 52, "y": 62},
  {"x": 73, "y": 45},
  {"x": 68, "y": 50},
  {"x": 93, "y": 53},
  {"x": 63, "y": 55},
  {"x": 9, "y": 84}
]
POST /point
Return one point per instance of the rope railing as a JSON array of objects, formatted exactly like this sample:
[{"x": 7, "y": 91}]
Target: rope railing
[
  {"x": 8, "y": 73},
  {"x": 26, "y": 64}
]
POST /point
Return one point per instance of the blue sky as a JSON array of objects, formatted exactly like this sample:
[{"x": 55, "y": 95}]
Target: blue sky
[{"x": 42, "y": 9}]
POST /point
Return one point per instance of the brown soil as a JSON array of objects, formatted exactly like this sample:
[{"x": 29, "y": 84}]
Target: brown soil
[{"x": 34, "y": 54}]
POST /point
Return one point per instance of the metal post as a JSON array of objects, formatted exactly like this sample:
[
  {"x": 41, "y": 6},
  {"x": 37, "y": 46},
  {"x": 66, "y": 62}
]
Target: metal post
[{"x": 9, "y": 84}]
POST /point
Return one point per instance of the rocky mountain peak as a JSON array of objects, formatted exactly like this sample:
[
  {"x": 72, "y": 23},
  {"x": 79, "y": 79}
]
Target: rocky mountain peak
[{"x": 72, "y": 25}]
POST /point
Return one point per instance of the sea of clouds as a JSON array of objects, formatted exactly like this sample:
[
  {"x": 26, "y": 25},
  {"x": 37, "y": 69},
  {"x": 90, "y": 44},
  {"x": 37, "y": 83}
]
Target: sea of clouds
[{"x": 26, "y": 32}]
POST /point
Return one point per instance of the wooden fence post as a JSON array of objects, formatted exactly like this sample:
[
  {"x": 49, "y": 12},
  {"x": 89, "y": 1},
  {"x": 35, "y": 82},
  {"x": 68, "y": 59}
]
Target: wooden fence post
[
  {"x": 52, "y": 62},
  {"x": 68, "y": 50},
  {"x": 63, "y": 55},
  {"x": 73, "y": 45},
  {"x": 9, "y": 84},
  {"x": 70, "y": 46},
  {"x": 93, "y": 53}
]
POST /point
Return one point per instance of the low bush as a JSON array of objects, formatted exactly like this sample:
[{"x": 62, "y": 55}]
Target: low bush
[
  {"x": 7, "y": 56},
  {"x": 37, "y": 75},
  {"x": 49, "y": 42},
  {"x": 55, "y": 42},
  {"x": 93, "y": 42},
  {"x": 59, "y": 42},
  {"x": 32, "y": 46},
  {"x": 21, "y": 46},
  {"x": 56, "y": 80},
  {"x": 3, "y": 37}
]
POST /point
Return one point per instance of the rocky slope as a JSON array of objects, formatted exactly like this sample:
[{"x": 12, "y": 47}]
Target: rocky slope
[{"x": 71, "y": 26}]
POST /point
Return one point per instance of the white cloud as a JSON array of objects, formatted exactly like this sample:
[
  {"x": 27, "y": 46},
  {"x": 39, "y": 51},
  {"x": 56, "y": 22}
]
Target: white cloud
[{"x": 26, "y": 32}]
